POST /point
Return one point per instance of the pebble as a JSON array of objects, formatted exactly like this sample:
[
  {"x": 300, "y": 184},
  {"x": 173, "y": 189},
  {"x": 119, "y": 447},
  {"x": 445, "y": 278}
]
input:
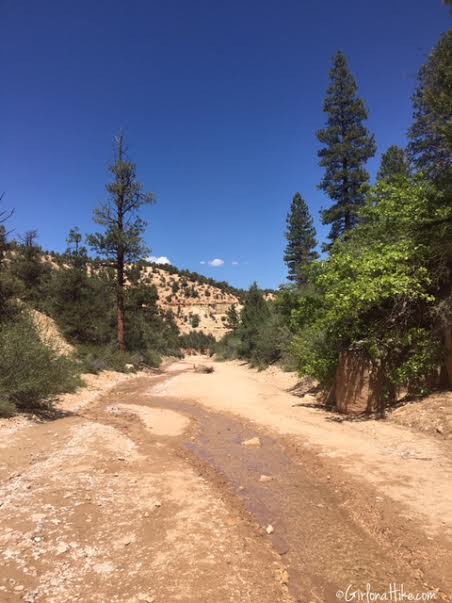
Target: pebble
[
  {"x": 252, "y": 443},
  {"x": 157, "y": 503},
  {"x": 61, "y": 548},
  {"x": 269, "y": 529},
  {"x": 265, "y": 478},
  {"x": 284, "y": 577}
]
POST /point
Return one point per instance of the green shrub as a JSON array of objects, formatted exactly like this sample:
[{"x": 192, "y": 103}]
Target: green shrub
[
  {"x": 94, "y": 359},
  {"x": 195, "y": 321},
  {"x": 151, "y": 358},
  {"x": 271, "y": 342},
  {"x": 229, "y": 347},
  {"x": 31, "y": 373},
  {"x": 261, "y": 333},
  {"x": 197, "y": 340},
  {"x": 7, "y": 409}
]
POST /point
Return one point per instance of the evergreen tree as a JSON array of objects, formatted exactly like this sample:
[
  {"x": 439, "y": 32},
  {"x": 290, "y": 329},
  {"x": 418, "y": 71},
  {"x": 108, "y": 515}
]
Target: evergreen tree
[
  {"x": 254, "y": 313},
  {"x": 347, "y": 147},
  {"x": 232, "y": 318},
  {"x": 30, "y": 272},
  {"x": 73, "y": 240},
  {"x": 81, "y": 303},
  {"x": 122, "y": 240},
  {"x": 431, "y": 132},
  {"x": 301, "y": 243},
  {"x": 394, "y": 164},
  {"x": 4, "y": 289}
]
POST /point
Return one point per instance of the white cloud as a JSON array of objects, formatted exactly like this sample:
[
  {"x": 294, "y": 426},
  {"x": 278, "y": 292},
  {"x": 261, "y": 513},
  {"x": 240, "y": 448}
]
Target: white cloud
[
  {"x": 159, "y": 260},
  {"x": 216, "y": 262},
  {"x": 235, "y": 263},
  {"x": 202, "y": 262}
]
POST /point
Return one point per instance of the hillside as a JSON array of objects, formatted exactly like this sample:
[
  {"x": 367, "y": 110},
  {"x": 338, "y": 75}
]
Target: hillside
[{"x": 194, "y": 300}]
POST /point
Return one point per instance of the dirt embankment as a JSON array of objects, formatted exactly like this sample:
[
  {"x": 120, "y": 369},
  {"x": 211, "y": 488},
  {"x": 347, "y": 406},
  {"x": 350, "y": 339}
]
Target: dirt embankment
[
  {"x": 215, "y": 488},
  {"x": 432, "y": 415}
]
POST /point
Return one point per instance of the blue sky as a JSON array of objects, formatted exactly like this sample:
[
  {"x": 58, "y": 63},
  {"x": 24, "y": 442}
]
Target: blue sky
[{"x": 220, "y": 102}]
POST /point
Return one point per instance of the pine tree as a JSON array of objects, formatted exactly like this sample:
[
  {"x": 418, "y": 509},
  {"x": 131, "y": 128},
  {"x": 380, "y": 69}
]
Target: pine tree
[
  {"x": 73, "y": 240},
  {"x": 30, "y": 273},
  {"x": 394, "y": 164},
  {"x": 122, "y": 240},
  {"x": 348, "y": 146},
  {"x": 4, "y": 292},
  {"x": 4, "y": 216},
  {"x": 232, "y": 318},
  {"x": 431, "y": 132},
  {"x": 301, "y": 242},
  {"x": 81, "y": 303},
  {"x": 254, "y": 313}
]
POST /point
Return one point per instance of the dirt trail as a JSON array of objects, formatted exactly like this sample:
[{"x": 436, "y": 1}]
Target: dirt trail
[
  {"x": 144, "y": 496},
  {"x": 413, "y": 469}
]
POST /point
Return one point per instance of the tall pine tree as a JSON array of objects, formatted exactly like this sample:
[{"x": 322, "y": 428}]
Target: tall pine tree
[
  {"x": 347, "y": 147},
  {"x": 394, "y": 164},
  {"x": 122, "y": 239},
  {"x": 301, "y": 242},
  {"x": 431, "y": 132}
]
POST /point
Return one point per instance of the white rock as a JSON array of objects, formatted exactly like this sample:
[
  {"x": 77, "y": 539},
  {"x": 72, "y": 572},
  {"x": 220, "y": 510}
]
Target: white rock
[
  {"x": 61, "y": 548},
  {"x": 265, "y": 478},
  {"x": 269, "y": 529},
  {"x": 252, "y": 443}
]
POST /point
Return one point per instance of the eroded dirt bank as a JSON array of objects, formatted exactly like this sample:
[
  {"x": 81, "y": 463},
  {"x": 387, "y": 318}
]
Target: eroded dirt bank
[{"x": 147, "y": 495}]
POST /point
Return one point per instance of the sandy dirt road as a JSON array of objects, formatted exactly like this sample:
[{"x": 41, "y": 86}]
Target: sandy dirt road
[{"x": 216, "y": 488}]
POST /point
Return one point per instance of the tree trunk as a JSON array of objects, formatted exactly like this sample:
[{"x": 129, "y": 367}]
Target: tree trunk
[{"x": 120, "y": 321}]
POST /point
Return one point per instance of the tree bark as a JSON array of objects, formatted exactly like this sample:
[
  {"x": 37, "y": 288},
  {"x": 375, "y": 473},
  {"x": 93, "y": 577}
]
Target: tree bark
[{"x": 120, "y": 320}]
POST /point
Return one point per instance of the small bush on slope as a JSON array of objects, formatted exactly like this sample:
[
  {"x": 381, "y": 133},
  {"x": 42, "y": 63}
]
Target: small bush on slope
[{"x": 31, "y": 374}]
